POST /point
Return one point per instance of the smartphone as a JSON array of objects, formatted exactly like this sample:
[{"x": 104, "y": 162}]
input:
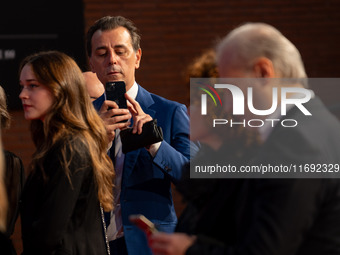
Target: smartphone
[
  {"x": 143, "y": 223},
  {"x": 115, "y": 92}
]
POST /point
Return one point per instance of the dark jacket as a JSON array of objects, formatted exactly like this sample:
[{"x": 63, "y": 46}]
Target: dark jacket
[
  {"x": 6, "y": 245},
  {"x": 61, "y": 215},
  {"x": 281, "y": 216},
  {"x": 14, "y": 181}
]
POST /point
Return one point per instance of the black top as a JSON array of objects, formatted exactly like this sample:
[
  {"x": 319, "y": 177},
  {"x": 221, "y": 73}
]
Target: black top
[
  {"x": 59, "y": 217},
  {"x": 6, "y": 247},
  {"x": 14, "y": 181}
]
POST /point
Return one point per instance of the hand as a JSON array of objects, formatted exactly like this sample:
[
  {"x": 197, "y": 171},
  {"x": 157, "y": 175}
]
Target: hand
[
  {"x": 138, "y": 115},
  {"x": 111, "y": 121},
  {"x": 170, "y": 244}
]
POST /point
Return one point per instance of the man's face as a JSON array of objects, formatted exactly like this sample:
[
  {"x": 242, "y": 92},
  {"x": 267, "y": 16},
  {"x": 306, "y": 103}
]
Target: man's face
[{"x": 113, "y": 57}]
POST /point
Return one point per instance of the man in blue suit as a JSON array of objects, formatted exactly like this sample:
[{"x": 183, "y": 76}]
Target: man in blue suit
[{"x": 144, "y": 176}]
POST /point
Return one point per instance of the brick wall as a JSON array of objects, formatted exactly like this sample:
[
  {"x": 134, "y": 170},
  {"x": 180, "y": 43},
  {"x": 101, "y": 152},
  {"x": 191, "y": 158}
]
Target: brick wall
[{"x": 174, "y": 32}]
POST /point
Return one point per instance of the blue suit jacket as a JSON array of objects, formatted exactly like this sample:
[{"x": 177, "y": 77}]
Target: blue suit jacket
[{"x": 146, "y": 181}]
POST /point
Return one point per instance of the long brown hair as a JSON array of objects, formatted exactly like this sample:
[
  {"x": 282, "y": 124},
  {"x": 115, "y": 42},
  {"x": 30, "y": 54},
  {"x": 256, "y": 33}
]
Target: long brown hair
[{"x": 71, "y": 115}]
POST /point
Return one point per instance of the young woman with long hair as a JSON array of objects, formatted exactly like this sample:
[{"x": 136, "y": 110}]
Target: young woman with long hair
[{"x": 70, "y": 183}]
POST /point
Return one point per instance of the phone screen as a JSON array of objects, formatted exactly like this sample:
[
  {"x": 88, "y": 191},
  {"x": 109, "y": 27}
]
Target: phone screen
[{"x": 115, "y": 92}]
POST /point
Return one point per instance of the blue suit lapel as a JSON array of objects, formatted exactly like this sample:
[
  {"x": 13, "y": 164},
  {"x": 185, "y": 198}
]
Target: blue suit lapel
[{"x": 146, "y": 101}]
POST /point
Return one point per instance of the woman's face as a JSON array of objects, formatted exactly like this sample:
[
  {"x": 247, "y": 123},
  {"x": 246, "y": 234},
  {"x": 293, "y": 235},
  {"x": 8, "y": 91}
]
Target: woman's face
[{"x": 36, "y": 98}]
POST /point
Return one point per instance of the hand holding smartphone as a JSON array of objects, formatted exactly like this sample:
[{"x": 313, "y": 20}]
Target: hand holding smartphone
[
  {"x": 115, "y": 91},
  {"x": 143, "y": 223}
]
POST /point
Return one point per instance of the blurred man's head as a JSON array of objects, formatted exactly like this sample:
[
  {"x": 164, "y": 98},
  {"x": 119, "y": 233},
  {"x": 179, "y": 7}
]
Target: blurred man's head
[
  {"x": 94, "y": 87},
  {"x": 258, "y": 50}
]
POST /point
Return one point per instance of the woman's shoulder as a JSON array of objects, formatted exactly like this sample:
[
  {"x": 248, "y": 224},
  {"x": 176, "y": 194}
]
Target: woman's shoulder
[
  {"x": 69, "y": 142},
  {"x": 70, "y": 148},
  {"x": 13, "y": 161},
  {"x": 10, "y": 154}
]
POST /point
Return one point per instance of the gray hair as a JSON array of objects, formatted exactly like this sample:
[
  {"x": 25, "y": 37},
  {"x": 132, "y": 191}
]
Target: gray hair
[{"x": 253, "y": 40}]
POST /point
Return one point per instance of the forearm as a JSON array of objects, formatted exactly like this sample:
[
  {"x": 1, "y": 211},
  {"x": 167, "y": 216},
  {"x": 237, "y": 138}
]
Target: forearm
[{"x": 170, "y": 161}]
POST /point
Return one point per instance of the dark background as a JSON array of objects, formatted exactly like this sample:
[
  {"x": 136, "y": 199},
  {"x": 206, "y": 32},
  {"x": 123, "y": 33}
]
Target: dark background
[{"x": 31, "y": 26}]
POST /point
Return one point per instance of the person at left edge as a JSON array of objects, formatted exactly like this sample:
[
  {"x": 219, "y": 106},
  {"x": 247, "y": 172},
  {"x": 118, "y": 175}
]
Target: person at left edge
[
  {"x": 14, "y": 174},
  {"x": 71, "y": 174}
]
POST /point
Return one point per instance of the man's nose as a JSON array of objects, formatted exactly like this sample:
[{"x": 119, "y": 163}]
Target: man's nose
[{"x": 112, "y": 57}]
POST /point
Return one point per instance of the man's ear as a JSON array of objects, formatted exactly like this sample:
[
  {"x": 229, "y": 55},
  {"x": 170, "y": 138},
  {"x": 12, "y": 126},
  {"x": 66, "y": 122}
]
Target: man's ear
[
  {"x": 138, "y": 57},
  {"x": 264, "y": 68}
]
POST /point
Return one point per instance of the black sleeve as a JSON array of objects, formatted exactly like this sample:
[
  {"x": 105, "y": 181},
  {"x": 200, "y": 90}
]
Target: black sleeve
[
  {"x": 280, "y": 215},
  {"x": 206, "y": 245}
]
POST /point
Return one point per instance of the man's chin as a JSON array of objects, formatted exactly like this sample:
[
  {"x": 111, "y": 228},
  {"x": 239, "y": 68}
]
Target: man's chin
[{"x": 112, "y": 78}]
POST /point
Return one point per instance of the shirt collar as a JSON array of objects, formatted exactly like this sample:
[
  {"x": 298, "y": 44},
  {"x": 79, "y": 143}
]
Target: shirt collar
[{"x": 132, "y": 92}]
